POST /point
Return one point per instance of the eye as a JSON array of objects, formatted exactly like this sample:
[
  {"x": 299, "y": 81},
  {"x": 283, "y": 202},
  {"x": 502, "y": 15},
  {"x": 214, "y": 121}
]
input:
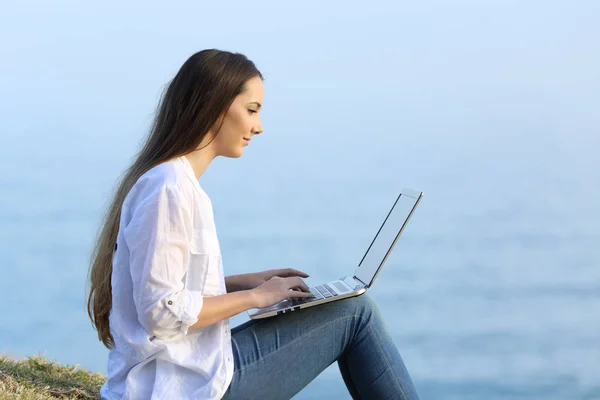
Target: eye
[{"x": 252, "y": 111}]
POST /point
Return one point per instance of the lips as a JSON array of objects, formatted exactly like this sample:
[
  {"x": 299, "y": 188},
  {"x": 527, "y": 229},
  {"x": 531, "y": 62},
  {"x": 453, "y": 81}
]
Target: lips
[{"x": 246, "y": 139}]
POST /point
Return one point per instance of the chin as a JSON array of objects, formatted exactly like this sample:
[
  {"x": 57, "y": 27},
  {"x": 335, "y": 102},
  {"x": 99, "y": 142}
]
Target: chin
[{"x": 234, "y": 153}]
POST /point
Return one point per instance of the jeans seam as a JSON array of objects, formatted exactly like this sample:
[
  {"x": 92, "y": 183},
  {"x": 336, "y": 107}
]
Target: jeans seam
[
  {"x": 297, "y": 339},
  {"x": 387, "y": 361}
]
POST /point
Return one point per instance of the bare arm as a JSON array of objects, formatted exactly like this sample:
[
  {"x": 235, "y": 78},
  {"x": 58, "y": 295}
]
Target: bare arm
[
  {"x": 276, "y": 289},
  {"x": 235, "y": 283},
  {"x": 218, "y": 308}
]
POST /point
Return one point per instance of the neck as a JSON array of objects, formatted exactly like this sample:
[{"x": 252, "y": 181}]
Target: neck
[{"x": 199, "y": 160}]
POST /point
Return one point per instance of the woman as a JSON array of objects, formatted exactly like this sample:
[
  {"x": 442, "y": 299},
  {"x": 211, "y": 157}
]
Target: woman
[{"x": 159, "y": 299}]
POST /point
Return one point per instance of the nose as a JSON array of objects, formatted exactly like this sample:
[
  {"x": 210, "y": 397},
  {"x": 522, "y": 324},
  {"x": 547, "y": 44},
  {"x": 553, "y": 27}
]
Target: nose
[{"x": 257, "y": 130}]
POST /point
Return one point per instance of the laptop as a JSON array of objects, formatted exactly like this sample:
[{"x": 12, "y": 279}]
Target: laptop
[{"x": 367, "y": 270}]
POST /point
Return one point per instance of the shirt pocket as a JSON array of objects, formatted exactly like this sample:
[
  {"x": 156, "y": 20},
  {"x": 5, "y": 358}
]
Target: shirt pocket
[{"x": 204, "y": 273}]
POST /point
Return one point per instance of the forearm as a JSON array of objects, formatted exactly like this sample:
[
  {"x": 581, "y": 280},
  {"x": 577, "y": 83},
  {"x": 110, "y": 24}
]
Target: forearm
[
  {"x": 218, "y": 308},
  {"x": 235, "y": 283}
]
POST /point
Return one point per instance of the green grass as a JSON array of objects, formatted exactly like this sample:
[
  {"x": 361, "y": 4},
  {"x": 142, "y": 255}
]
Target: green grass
[{"x": 37, "y": 378}]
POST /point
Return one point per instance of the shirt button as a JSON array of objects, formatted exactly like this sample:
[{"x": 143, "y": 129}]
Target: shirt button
[{"x": 170, "y": 302}]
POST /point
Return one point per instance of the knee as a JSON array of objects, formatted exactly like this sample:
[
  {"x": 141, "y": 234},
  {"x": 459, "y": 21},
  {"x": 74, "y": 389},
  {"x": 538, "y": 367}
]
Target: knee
[
  {"x": 367, "y": 314},
  {"x": 365, "y": 307}
]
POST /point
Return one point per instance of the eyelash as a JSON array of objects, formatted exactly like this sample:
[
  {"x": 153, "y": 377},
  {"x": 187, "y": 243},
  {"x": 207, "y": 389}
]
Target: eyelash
[{"x": 252, "y": 111}]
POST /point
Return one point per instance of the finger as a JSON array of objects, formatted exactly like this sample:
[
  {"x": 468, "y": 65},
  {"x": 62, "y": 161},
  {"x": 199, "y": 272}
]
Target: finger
[
  {"x": 296, "y": 272},
  {"x": 297, "y": 293},
  {"x": 290, "y": 272},
  {"x": 298, "y": 283}
]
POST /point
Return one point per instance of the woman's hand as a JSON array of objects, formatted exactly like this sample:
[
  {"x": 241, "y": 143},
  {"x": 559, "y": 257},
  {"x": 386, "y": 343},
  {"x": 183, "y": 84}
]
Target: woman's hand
[
  {"x": 255, "y": 279},
  {"x": 277, "y": 289},
  {"x": 259, "y": 278}
]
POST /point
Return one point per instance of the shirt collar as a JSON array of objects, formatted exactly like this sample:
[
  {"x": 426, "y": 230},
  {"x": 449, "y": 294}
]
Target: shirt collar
[{"x": 189, "y": 172}]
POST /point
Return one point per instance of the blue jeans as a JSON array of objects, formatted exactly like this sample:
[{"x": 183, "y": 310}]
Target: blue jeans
[{"x": 276, "y": 357}]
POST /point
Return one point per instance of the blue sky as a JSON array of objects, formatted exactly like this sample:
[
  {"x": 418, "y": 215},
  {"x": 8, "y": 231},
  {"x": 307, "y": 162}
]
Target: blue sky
[{"x": 114, "y": 57}]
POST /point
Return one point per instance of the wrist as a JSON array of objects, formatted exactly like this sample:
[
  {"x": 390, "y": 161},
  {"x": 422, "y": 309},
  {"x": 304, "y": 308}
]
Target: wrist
[{"x": 251, "y": 298}]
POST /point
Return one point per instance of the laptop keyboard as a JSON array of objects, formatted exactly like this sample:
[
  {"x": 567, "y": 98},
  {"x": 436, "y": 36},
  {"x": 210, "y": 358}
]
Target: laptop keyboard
[{"x": 318, "y": 293}]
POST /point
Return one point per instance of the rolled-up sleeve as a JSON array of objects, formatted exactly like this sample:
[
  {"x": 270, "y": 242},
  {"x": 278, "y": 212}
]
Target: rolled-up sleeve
[{"x": 158, "y": 237}]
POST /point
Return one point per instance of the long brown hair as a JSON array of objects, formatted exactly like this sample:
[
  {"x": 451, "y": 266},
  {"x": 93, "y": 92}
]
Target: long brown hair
[{"x": 200, "y": 93}]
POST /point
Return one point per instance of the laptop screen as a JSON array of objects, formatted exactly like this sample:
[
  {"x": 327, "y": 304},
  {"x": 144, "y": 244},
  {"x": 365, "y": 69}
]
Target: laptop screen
[{"x": 387, "y": 236}]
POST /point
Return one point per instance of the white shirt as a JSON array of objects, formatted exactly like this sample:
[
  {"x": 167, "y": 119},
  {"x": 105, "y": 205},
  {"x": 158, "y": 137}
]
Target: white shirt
[{"x": 167, "y": 259}]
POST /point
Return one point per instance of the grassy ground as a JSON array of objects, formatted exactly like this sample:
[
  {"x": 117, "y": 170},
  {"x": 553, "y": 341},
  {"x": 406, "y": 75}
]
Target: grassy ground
[{"x": 39, "y": 379}]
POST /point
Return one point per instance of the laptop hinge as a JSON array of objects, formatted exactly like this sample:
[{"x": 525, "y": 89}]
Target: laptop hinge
[{"x": 365, "y": 285}]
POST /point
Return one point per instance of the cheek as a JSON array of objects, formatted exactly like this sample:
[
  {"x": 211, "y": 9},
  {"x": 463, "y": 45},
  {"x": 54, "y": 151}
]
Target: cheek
[
  {"x": 241, "y": 123},
  {"x": 237, "y": 123},
  {"x": 232, "y": 129}
]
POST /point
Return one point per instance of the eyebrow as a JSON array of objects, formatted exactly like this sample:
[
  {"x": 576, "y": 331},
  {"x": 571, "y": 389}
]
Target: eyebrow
[{"x": 257, "y": 104}]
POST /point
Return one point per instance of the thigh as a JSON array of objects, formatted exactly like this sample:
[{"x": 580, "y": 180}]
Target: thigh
[{"x": 276, "y": 357}]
